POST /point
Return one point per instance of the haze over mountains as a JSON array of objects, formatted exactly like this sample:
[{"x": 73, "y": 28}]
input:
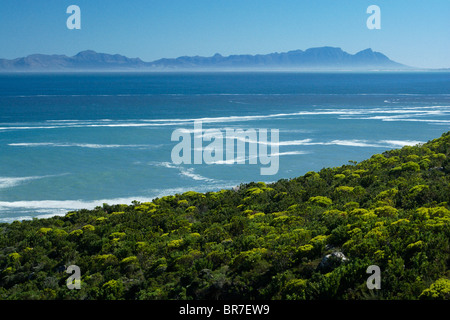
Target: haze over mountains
[{"x": 323, "y": 58}]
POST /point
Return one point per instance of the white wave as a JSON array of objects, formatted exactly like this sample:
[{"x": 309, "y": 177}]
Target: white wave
[
  {"x": 202, "y": 132},
  {"x": 402, "y": 114},
  {"x": 420, "y": 120},
  {"x": 375, "y": 144},
  {"x": 352, "y": 143},
  {"x": 80, "y": 145},
  {"x": 198, "y": 188},
  {"x": 382, "y": 118},
  {"x": 9, "y": 182},
  {"x": 303, "y": 142},
  {"x": 402, "y": 143},
  {"x": 66, "y": 204},
  {"x": 248, "y": 158},
  {"x": 296, "y": 130},
  {"x": 310, "y": 142},
  {"x": 76, "y": 120},
  {"x": 29, "y": 128},
  {"x": 367, "y": 143},
  {"x": 270, "y": 143},
  {"x": 50, "y": 208},
  {"x": 289, "y": 153},
  {"x": 129, "y": 125},
  {"x": 230, "y": 161},
  {"x": 190, "y": 174},
  {"x": 405, "y": 117},
  {"x": 18, "y": 218},
  {"x": 187, "y": 172}
]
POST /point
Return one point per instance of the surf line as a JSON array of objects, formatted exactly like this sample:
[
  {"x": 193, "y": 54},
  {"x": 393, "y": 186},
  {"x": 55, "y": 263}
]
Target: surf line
[{"x": 222, "y": 148}]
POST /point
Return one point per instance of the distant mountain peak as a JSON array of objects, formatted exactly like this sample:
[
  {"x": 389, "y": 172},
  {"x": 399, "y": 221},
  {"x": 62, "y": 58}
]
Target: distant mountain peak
[
  {"x": 86, "y": 52},
  {"x": 368, "y": 52},
  {"x": 324, "y": 49}
]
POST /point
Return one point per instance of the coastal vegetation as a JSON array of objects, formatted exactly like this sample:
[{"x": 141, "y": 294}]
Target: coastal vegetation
[{"x": 310, "y": 237}]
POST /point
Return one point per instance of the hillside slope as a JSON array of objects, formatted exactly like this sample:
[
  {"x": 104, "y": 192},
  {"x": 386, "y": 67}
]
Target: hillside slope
[{"x": 257, "y": 242}]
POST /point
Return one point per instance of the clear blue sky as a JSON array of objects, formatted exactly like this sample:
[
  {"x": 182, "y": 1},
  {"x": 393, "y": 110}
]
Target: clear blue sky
[{"x": 413, "y": 32}]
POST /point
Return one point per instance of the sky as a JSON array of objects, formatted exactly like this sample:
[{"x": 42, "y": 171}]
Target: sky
[{"x": 413, "y": 32}]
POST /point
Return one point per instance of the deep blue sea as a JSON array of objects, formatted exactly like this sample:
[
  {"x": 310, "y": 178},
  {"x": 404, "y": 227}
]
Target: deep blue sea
[{"x": 72, "y": 141}]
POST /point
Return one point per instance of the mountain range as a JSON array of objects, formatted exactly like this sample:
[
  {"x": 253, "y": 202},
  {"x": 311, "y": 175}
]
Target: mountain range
[{"x": 322, "y": 58}]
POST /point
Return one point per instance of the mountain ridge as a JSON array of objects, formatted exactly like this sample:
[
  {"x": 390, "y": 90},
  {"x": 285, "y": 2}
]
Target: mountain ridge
[{"x": 319, "y": 58}]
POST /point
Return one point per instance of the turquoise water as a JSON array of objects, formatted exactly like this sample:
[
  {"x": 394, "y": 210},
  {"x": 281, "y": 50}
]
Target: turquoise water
[{"x": 72, "y": 141}]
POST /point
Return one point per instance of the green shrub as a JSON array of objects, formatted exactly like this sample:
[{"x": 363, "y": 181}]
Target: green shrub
[
  {"x": 295, "y": 289},
  {"x": 439, "y": 290},
  {"x": 321, "y": 201},
  {"x": 386, "y": 211},
  {"x": 88, "y": 227}
]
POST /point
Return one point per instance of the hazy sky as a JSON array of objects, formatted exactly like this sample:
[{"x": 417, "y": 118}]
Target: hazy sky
[{"x": 413, "y": 32}]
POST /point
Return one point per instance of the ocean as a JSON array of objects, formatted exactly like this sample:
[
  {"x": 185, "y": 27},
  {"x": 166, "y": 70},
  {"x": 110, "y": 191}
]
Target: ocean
[{"x": 77, "y": 140}]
